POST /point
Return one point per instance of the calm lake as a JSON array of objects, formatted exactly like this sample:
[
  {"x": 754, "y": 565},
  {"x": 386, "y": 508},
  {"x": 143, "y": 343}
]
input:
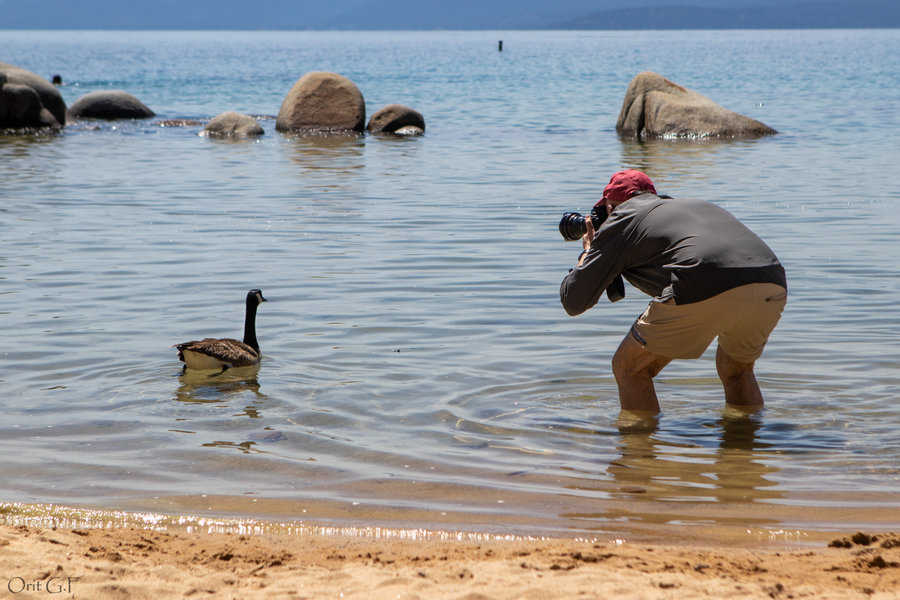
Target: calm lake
[{"x": 418, "y": 369}]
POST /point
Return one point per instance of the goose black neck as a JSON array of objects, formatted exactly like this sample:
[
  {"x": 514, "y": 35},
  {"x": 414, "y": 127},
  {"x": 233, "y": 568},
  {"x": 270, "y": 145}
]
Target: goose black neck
[{"x": 250, "y": 323}]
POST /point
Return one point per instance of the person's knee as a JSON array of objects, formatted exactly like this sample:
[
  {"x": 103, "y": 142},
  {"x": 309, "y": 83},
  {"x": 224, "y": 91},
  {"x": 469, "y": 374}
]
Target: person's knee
[
  {"x": 632, "y": 361},
  {"x": 620, "y": 364},
  {"x": 626, "y": 360},
  {"x": 730, "y": 369}
]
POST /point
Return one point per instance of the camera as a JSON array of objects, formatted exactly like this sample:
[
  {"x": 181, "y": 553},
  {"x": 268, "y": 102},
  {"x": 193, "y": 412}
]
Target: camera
[{"x": 572, "y": 227}]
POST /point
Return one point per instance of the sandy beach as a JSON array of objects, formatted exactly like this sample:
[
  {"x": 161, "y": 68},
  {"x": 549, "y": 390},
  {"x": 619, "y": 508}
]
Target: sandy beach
[{"x": 138, "y": 563}]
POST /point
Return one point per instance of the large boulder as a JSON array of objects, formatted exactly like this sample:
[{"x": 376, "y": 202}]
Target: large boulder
[
  {"x": 397, "y": 119},
  {"x": 233, "y": 124},
  {"x": 21, "y": 108},
  {"x": 656, "y": 107},
  {"x": 109, "y": 104},
  {"x": 49, "y": 96},
  {"x": 322, "y": 101}
]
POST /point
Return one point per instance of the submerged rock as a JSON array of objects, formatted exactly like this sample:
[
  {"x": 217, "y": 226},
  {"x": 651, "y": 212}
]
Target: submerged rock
[
  {"x": 656, "y": 107},
  {"x": 397, "y": 119},
  {"x": 322, "y": 101},
  {"x": 233, "y": 124},
  {"x": 109, "y": 104},
  {"x": 179, "y": 123}
]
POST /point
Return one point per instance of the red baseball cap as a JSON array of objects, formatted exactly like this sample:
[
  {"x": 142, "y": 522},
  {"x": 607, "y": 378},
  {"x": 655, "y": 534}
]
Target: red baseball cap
[{"x": 625, "y": 184}]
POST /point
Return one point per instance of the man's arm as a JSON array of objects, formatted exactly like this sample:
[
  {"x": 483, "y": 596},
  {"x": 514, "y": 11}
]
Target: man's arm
[{"x": 595, "y": 271}]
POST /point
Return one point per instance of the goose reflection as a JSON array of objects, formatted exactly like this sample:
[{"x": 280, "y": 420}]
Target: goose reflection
[
  {"x": 206, "y": 388},
  {"x": 235, "y": 384}
]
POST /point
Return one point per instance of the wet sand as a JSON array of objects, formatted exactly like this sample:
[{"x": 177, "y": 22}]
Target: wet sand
[{"x": 134, "y": 562}]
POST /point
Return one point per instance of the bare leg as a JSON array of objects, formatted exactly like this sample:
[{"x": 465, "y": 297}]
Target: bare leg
[
  {"x": 741, "y": 388},
  {"x": 634, "y": 368}
]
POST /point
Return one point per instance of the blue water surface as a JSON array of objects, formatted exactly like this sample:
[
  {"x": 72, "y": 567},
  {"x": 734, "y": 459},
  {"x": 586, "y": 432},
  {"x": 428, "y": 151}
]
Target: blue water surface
[{"x": 418, "y": 367}]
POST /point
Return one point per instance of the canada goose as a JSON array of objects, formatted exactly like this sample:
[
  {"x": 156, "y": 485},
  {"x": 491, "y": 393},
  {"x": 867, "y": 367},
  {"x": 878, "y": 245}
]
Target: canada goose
[{"x": 212, "y": 353}]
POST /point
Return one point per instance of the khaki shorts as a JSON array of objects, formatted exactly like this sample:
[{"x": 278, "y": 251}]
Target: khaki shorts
[{"x": 742, "y": 318}]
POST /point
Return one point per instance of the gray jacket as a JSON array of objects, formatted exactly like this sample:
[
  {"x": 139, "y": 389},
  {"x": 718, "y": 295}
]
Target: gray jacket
[{"x": 689, "y": 250}]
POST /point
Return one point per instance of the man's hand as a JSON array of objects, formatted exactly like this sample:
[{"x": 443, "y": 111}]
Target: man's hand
[{"x": 586, "y": 239}]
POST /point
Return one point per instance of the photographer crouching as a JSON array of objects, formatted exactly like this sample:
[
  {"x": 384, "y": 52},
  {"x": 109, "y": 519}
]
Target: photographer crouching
[{"x": 709, "y": 276}]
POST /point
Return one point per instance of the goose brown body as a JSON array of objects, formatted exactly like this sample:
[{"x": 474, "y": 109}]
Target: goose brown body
[
  {"x": 217, "y": 353},
  {"x": 223, "y": 353}
]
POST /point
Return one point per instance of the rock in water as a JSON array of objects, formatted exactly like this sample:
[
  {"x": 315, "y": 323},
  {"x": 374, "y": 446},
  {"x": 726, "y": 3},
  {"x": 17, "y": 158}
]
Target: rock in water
[
  {"x": 109, "y": 104},
  {"x": 656, "y": 107},
  {"x": 322, "y": 101}
]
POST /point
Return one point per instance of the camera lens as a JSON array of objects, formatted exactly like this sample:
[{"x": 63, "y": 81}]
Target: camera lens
[{"x": 572, "y": 226}]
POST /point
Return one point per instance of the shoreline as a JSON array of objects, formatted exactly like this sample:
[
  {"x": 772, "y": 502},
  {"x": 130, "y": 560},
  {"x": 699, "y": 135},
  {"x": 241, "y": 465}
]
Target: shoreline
[
  {"x": 738, "y": 527},
  {"x": 195, "y": 557}
]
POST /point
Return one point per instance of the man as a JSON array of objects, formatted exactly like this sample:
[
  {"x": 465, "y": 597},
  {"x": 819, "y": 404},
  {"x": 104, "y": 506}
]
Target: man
[{"x": 708, "y": 274}]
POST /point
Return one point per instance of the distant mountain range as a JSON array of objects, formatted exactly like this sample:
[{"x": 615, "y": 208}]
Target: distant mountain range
[
  {"x": 822, "y": 14},
  {"x": 452, "y": 15}
]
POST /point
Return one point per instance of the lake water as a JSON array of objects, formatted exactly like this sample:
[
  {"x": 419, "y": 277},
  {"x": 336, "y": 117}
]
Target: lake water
[{"x": 418, "y": 368}]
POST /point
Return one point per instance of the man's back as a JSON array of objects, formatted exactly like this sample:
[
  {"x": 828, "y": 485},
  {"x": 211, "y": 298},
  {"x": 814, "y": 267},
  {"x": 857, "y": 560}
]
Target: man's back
[{"x": 696, "y": 247}]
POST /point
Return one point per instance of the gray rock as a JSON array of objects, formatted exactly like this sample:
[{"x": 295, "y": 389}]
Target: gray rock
[
  {"x": 322, "y": 101},
  {"x": 21, "y": 108},
  {"x": 656, "y": 107},
  {"x": 19, "y": 105},
  {"x": 397, "y": 119},
  {"x": 233, "y": 124},
  {"x": 50, "y": 97},
  {"x": 109, "y": 104}
]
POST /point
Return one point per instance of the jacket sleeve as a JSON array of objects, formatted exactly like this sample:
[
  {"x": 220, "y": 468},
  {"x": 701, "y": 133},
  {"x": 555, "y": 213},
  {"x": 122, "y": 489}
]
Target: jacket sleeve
[{"x": 583, "y": 286}]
